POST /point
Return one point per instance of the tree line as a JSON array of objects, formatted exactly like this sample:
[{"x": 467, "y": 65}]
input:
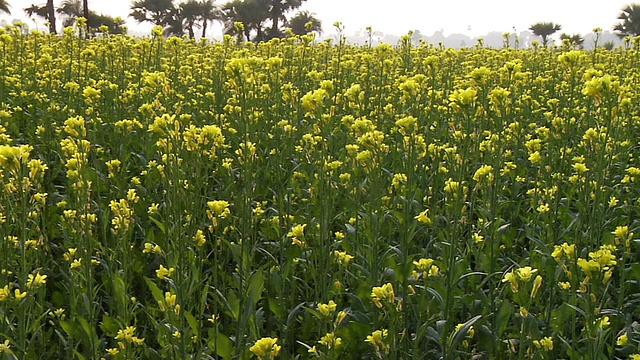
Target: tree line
[
  {"x": 260, "y": 19},
  {"x": 253, "y": 20},
  {"x": 628, "y": 26}
]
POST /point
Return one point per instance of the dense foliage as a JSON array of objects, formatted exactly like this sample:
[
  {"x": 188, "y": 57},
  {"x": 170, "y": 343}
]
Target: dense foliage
[{"x": 172, "y": 199}]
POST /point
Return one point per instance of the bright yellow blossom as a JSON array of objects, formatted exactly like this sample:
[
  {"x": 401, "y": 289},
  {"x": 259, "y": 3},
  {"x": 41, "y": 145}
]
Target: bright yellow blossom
[
  {"x": 5, "y": 347},
  {"x": 266, "y": 348},
  {"x": 383, "y": 293},
  {"x": 36, "y": 281},
  {"x": 545, "y": 343},
  {"x": 423, "y": 217},
  {"x": 622, "y": 340},
  {"x": 377, "y": 340},
  {"x": 526, "y": 273},
  {"x": 163, "y": 273},
  {"x": 327, "y": 309}
]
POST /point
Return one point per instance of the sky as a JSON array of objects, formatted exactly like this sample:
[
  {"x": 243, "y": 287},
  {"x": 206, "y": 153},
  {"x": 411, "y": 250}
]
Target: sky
[{"x": 397, "y": 17}]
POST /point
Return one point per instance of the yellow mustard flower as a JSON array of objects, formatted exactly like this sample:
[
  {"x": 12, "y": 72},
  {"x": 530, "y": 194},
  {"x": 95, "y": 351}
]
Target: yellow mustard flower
[
  {"x": 4, "y": 293},
  {"x": 526, "y": 273},
  {"x": 423, "y": 217},
  {"x": 342, "y": 257},
  {"x": 19, "y": 295},
  {"x": 5, "y": 347},
  {"x": 546, "y": 343},
  {"x": 128, "y": 334},
  {"x": 163, "y": 273},
  {"x": 622, "y": 340},
  {"x": 36, "y": 281},
  {"x": 266, "y": 348},
  {"x": 383, "y": 293},
  {"x": 331, "y": 341},
  {"x": 327, "y": 309},
  {"x": 377, "y": 340}
]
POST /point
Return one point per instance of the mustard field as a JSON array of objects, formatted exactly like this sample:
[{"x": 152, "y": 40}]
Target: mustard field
[{"x": 297, "y": 199}]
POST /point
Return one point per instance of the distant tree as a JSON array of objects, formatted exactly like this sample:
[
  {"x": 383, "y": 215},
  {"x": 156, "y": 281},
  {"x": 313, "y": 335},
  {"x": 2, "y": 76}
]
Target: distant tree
[
  {"x": 157, "y": 12},
  {"x": 37, "y": 10},
  {"x": 575, "y": 39},
  {"x": 189, "y": 13},
  {"x": 85, "y": 9},
  {"x": 4, "y": 7},
  {"x": 174, "y": 24},
  {"x": 305, "y": 22},
  {"x": 544, "y": 30},
  {"x": 630, "y": 24},
  {"x": 51, "y": 17},
  {"x": 209, "y": 13},
  {"x": 46, "y": 12},
  {"x": 416, "y": 36},
  {"x": 609, "y": 45},
  {"x": 251, "y": 13},
  {"x": 114, "y": 25},
  {"x": 70, "y": 10},
  {"x": 277, "y": 11}
]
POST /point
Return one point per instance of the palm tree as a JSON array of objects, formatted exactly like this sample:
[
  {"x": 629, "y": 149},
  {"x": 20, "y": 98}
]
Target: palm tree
[
  {"x": 630, "y": 24},
  {"x": 114, "y": 25},
  {"x": 51, "y": 17},
  {"x": 210, "y": 12},
  {"x": 575, "y": 39},
  {"x": 189, "y": 13},
  {"x": 277, "y": 10},
  {"x": 71, "y": 10},
  {"x": 157, "y": 12},
  {"x": 85, "y": 9},
  {"x": 174, "y": 24},
  {"x": 37, "y": 10},
  {"x": 305, "y": 22},
  {"x": 4, "y": 6},
  {"x": 544, "y": 30},
  {"x": 47, "y": 12},
  {"x": 251, "y": 13}
]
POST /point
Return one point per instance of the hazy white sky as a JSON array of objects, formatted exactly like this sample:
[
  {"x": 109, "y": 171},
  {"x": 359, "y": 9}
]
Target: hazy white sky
[{"x": 470, "y": 17}]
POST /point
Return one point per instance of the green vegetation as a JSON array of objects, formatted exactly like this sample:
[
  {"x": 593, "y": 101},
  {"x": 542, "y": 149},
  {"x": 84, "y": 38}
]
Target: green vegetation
[{"x": 173, "y": 199}]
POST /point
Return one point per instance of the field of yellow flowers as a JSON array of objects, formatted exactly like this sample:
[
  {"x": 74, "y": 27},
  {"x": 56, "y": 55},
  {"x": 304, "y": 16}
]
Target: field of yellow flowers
[{"x": 173, "y": 199}]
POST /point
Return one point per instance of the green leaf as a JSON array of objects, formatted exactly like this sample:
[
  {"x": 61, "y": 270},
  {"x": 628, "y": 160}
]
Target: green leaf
[
  {"x": 155, "y": 290},
  {"x": 464, "y": 276},
  {"x": 193, "y": 323},
  {"x": 233, "y": 305},
  {"x": 9, "y": 355},
  {"x": 436, "y": 295},
  {"x": 119, "y": 289},
  {"x": 158, "y": 224},
  {"x": 314, "y": 312},
  {"x": 220, "y": 344},
  {"x": 460, "y": 334},
  {"x": 293, "y": 314},
  {"x": 633, "y": 271},
  {"x": 70, "y": 328},
  {"x": 110, "y": 326},
  {"x": 256, "y": 285},
  {"x": 88, "y": 330},
  {"x": 276, "y": 307},
  {"x": 577, "y": 309},
  {"x": 504, "y": 314}
]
